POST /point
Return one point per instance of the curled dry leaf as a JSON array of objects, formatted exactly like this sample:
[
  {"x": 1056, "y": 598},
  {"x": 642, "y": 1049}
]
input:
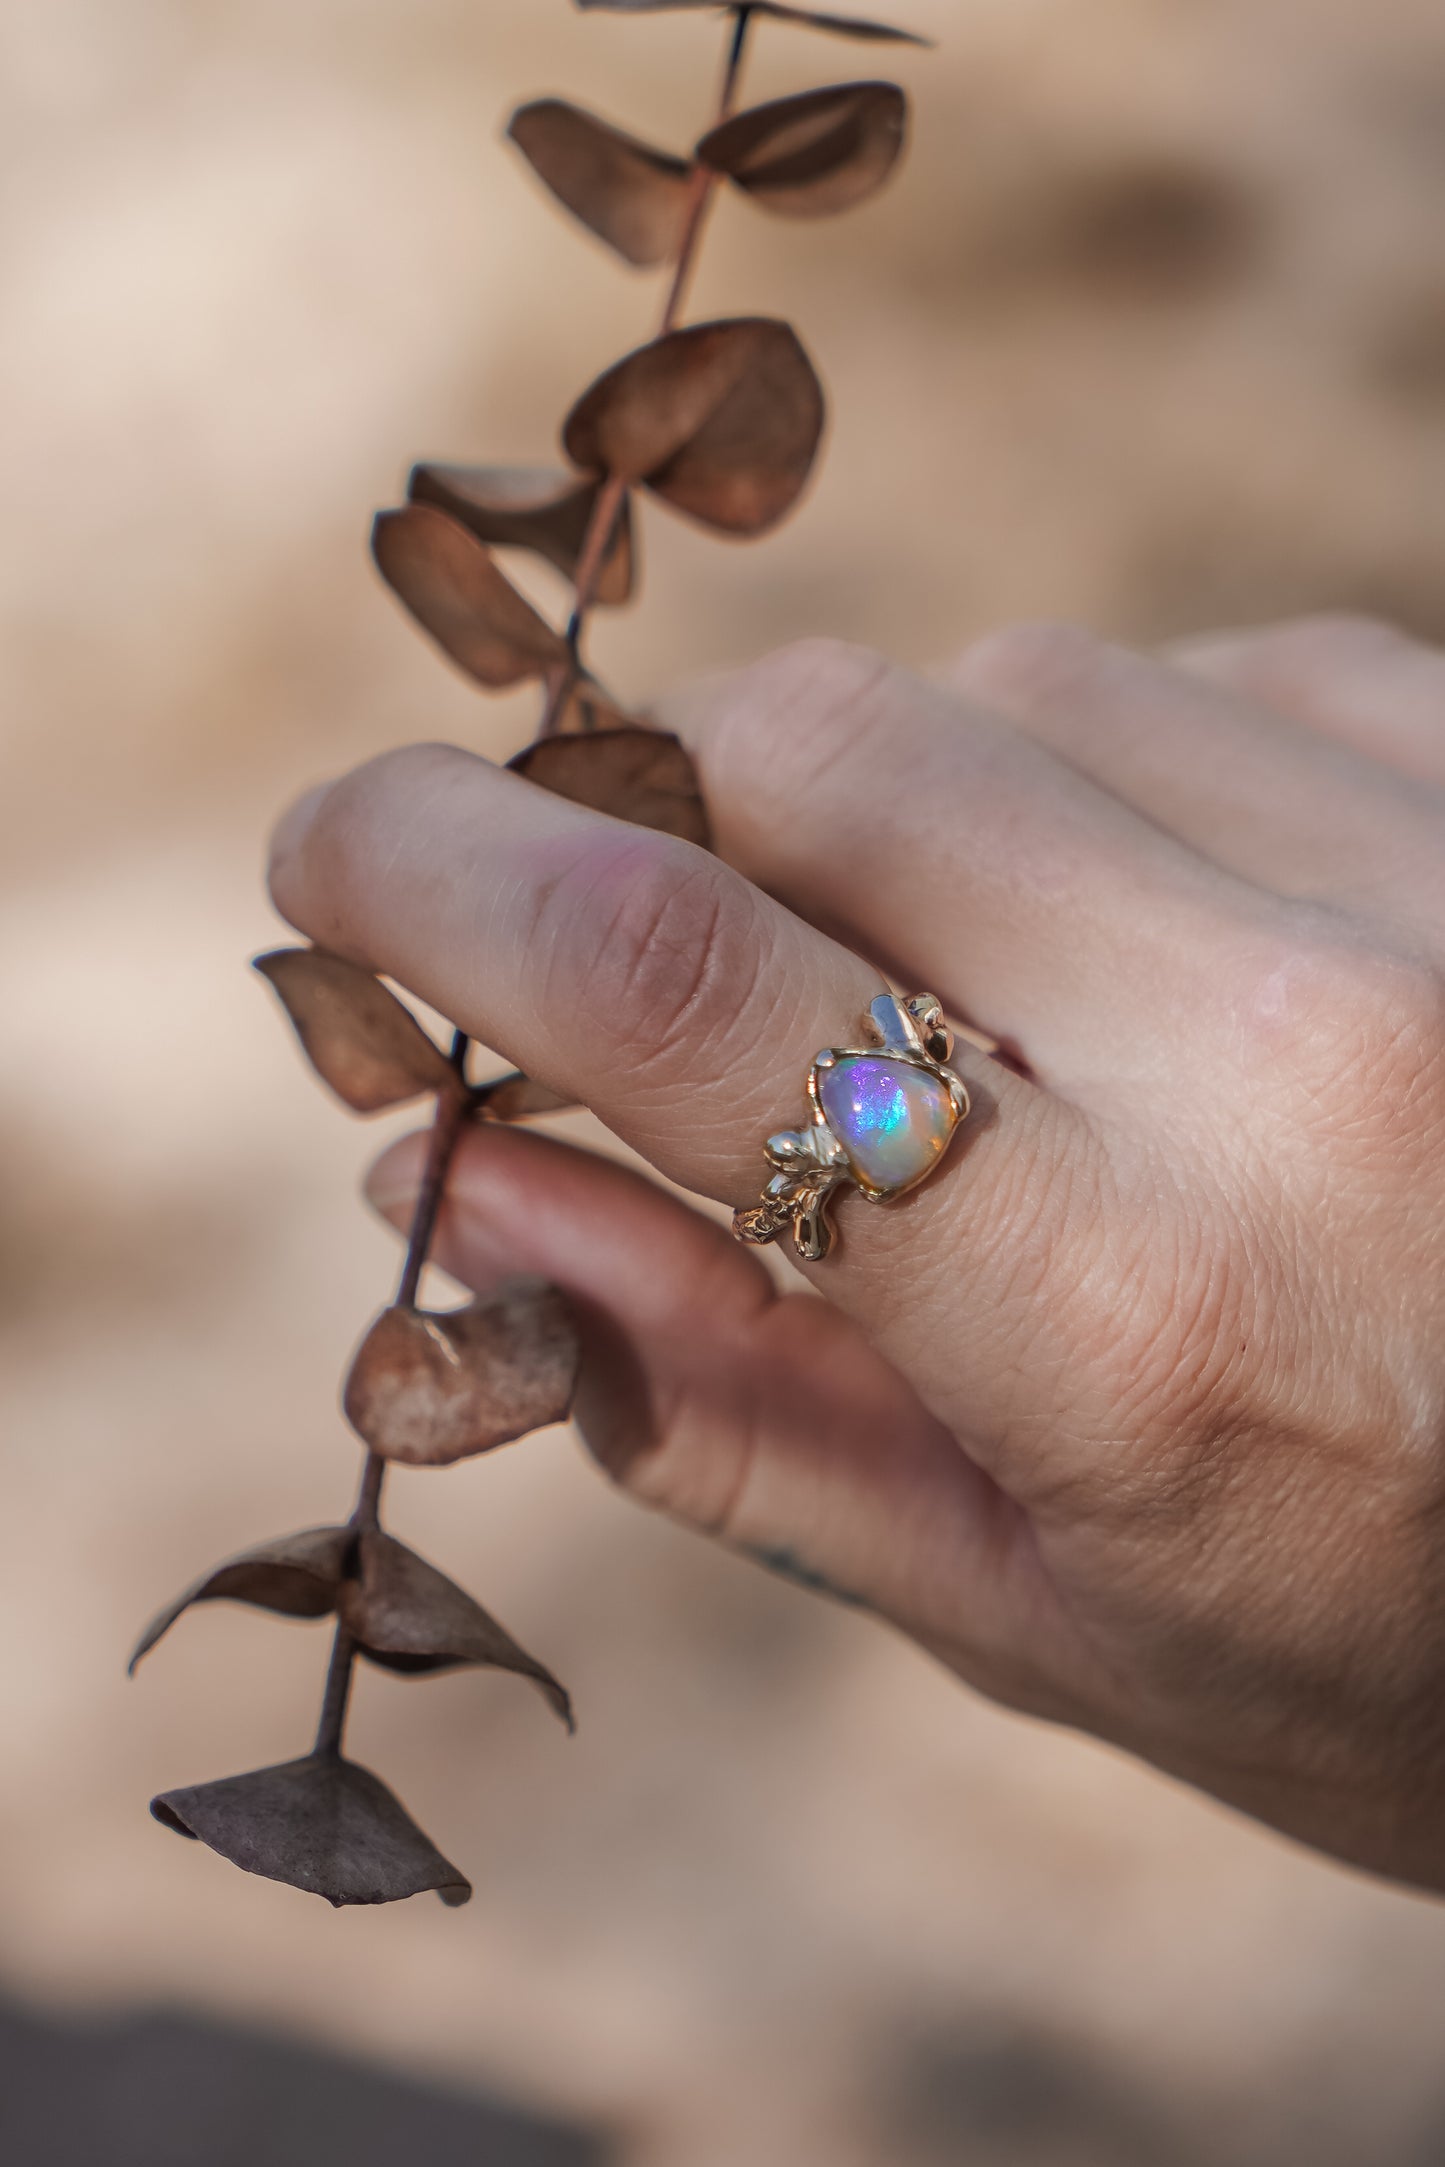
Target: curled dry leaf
[
  {"x": 816, "y": 154},
  {"x": 515, "y": 1097},
  {"x": 722, "y": 420},
  {"x": 544, "y": 509},
  {"x": 839, "y": 26},
  {"x": 356, "y": 1034},
  {"x": 449, "y": 582},
  {"x": 403, "y": 1613},
  {"x": 633, "y": 197},
  {"x": 297, "y": 1575},
  {"x": 322, "y": 1824},
  {"x": 409, "y": 1617},
  {"x": 645, "y": 776},
  {"x": 430, "y": 1387}
]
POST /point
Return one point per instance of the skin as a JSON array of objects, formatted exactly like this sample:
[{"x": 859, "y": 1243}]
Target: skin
[{"x": 1134, "y": 1414}]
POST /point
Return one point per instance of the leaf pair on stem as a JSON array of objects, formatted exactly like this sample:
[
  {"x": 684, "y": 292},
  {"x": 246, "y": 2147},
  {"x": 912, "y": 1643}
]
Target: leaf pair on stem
[
  {"x": 323, "y": 1823},
  {"x": 803, "y": 157}
]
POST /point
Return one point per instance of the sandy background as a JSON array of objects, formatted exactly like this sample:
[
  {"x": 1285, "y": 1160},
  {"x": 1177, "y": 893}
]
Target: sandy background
[{"x": 1151, "y": 334}]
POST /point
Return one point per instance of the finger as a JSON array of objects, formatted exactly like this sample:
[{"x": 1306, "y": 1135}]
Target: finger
[
  {"x": 622, "y": 967},
  {"x": 777, "y": 1429},
  {"x": 1353, "y": 679},
  {"x": 1250, "y": 789},
  {"x": 654, "y": 983},
  {"x": 937, "y": 838}
]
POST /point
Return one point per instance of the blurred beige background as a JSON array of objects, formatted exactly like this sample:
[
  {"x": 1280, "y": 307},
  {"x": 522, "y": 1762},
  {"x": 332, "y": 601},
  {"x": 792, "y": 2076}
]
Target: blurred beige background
[{"x": 1150, "y": 333}]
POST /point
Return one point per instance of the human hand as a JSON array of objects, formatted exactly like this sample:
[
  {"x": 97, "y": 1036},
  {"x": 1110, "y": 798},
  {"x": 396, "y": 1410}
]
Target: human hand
[{"x": 1134, "y": 1413}]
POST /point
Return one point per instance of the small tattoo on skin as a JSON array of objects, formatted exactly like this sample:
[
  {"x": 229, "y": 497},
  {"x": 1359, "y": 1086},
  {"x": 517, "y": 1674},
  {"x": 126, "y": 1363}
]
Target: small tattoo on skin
[{"x": 789, "y": 1566}]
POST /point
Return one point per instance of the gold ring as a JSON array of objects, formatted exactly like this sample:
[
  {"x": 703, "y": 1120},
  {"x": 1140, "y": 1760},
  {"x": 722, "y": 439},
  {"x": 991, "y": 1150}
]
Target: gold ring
[{"x": 881, "y": 1118}]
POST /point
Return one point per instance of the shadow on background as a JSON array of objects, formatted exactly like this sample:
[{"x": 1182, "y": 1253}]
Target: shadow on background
[
  {"x": 159, "y": 2090},
  {"x": 984, "y": 2098}
]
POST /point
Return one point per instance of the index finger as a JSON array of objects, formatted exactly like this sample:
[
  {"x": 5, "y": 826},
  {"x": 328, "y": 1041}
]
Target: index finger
[{"x": 651, "y": 981}]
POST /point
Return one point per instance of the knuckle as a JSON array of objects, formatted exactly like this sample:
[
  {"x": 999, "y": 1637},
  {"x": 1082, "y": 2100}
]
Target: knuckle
[
  {"x": 1025, "y": 667},
  {"x": 798, "y": 708},
  {"x": 1355, "y": 1036},
  {"x": 817, "y": 672},
  {"x": 655, "y": 941}
]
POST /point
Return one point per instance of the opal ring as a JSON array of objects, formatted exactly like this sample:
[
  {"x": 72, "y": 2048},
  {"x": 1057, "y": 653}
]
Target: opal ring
[{"x": 881, "y": 1118}]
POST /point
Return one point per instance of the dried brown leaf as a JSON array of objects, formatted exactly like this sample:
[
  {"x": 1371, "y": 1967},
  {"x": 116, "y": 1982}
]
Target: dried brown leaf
[
  {"x": 430, "y": 1387},
  {"x": 515, "y": 1097},
  {"x": 816, "y": 154},
  {"x": 356, "y": 1034},
  {"x": 544, "y": 509},
  {"x": 297, "y": 1575},
  {"x": 633, "y": 197},
  {"x": 722, "y": 420},
  {"x": 645, "y": 776},
  {"x": 409, "y": 1617},
  {"x": 449, "y": 582},
  {"x": 322, "y": 1824},
  {"x": 840, "y": 26}
]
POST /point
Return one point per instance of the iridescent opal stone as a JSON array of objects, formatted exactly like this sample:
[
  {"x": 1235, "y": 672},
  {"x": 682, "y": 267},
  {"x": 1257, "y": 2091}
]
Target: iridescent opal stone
[{"x": 892, "y": 1118}]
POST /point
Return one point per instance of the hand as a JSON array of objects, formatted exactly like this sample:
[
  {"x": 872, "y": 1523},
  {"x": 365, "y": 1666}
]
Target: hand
[{"x": 1134, "y": 1413}]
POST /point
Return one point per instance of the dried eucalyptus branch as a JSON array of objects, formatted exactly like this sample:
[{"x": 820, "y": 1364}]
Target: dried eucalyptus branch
[{"x": 721, "y": 422}]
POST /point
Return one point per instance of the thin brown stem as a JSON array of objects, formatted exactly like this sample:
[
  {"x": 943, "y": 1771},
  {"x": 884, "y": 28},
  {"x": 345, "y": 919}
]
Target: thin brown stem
[
  {"x": 699, "y": 197},
  {"x": 366, "y": 1512},
  {"x": 704, "y": 181},
  {"x": 558, "y": 685},
  {"x": 559, "y": 690},
  {"x": 591, "y": 563},
  {"x": 601, "y": 529},
  {"x": 331, "y": 1728},
  {"x": 733, "y": 68},
  {"x": 451, "y": 1114},
  {"x": 612, "y": 496}
]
